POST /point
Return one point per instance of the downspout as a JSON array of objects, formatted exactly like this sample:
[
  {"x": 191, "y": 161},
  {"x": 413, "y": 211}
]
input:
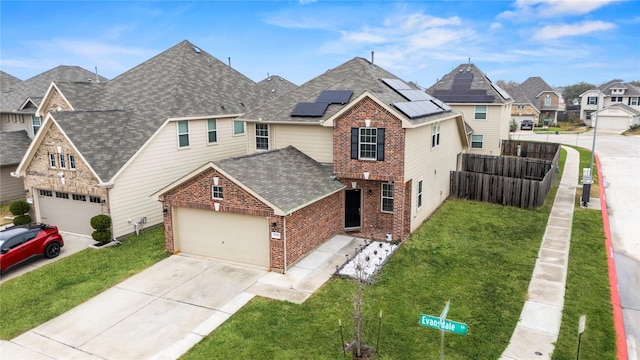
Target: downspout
[{"x": 284, "y": 225}]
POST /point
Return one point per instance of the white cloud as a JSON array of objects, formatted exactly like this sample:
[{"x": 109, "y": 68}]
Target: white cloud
[
  {"x": 551, "y": 32},
  {"x": 495, "y": 26},
  {"x": 526, "y": 10}
]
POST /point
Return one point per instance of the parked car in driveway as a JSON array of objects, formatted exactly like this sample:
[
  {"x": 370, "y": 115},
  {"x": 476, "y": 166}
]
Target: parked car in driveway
[
  {"x": 526, "y": 125},
  {"x": 20, "y": 243}
]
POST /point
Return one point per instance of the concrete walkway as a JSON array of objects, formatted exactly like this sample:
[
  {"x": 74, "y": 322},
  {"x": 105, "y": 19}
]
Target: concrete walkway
[
  {"x": 166, "y": 309},
  {"x": 541, "y": 316}
]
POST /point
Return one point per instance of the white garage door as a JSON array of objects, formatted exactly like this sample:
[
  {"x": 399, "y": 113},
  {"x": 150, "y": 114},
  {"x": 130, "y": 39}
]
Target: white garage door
[
  {"x": 227, "y": 236},
  {"x": 69, "y": 212},
  {"x": 613, "y": 123}
]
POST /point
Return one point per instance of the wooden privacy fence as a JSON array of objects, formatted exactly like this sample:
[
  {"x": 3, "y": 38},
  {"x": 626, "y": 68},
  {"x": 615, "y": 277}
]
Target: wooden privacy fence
[
  {"x": 512, "y": 181},
  {"x": 530, "y": 149}
]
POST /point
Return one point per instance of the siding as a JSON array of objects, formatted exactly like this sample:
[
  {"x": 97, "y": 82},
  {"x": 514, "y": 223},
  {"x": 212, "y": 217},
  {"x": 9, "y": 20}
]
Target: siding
[
  {"x": 16, "y": 122},
  {"x": 315, "y": 141},
  {"x": 495, "y": 128},
  {"x": 431, "y": 165},
  {"x": 160, "y": 163},
  {"x": 10, "y": 188}
]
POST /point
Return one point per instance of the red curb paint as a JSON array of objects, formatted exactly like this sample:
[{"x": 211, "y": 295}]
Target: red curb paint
[{"x": 618, "y": 322}]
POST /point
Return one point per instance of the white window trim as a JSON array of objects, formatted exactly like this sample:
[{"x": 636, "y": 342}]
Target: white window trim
[
  {"x": 375, "y": 144},
  {"x": 476, "y": 148},
  {"x": 244, "y": 128},
  {"x": 33, "y": 124},
  {"x": 382, "y": 197},
  {"x": 213, "y": 192},
  {"x": 435, "y": 135},
  {"x": 420, "y": 194},
  {"x": 486, "y": 113},
  {"x": 185, "y": 133},
  {"x": 268, "y": 137},
  {"x": 52, "y": 160},
  {"x": 61, "y": 161},
  {"x": 214, "y": 130},
  {"x": 72, "y": 161}
]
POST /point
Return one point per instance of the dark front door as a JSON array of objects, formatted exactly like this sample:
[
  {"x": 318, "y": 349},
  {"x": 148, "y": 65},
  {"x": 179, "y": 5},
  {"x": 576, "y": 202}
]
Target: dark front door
[{"x": 352, "y": 208}]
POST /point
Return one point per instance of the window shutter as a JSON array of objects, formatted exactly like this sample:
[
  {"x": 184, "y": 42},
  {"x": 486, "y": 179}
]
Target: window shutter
[
  {"x": 354, "y": 143},
  {"x": 380, "y": 145}
]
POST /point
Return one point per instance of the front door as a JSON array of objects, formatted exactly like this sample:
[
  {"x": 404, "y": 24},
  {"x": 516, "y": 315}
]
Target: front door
[{"x": 352, "y": 209}]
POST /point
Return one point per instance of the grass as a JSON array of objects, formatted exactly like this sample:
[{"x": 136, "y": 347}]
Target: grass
[
  {"x": 40, "y": 295},
  {"x": 562, "y": 127},
  {"x": 587, "y": 293},
  {"x": 4, "y": 211},
  {"x": 478, "y": 255}
]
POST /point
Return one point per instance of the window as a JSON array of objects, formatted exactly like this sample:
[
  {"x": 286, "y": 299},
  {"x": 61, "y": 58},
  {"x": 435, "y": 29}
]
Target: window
[
  {"x": 435, "y": 134},
  {"x": 216, "y": 192},
  {"x": 547, "y": 100},
  {"x": 262, "y": 137},
  {"x": 238, "y": 127},
  {"x": 476, "y": 141},
  {"x": 62, "y": 195},
  {"x": 592, "y": 100},
  {"x": 46, "y": 193},
  {"x": 37, "y": 122},
  {"x": 588, "y": 114},
  {"x": 62, "y": 161},
  {"x": 183, "y": 133},
  {"x": 520, "y": 107},
  {"x": 72, "y": 162},
  {"x": 95, "y": 199},
  {"x": 633, "y": 101},
  {"x": 212, "y": 133},
  {"x": 387, "y": 197},
  {"x": 79, "y": 197},
  {"x": 616, "y": 99},
  {"x": 367, "y": 143},
  {"x": 480, "y": 112},
  {"x": 52, "y": 160},
  {"x": 419, "y": 194}
]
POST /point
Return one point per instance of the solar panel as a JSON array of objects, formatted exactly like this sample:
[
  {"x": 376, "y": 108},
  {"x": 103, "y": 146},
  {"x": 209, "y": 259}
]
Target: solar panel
[
  {"x": 441, "y": 104},
  {"x": 414, "y": 95},
  {"x": 396, "y": 84},
  {"x": 334, "y": 96},
  {"x": 309, "y": 109},
  {"x": 501, "y": 91},
  {"x": 416, "y": 109}
]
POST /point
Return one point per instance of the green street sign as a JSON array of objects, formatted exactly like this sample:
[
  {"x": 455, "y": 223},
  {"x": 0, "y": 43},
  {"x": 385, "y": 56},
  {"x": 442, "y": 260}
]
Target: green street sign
[{"x": 446, "y": 325}]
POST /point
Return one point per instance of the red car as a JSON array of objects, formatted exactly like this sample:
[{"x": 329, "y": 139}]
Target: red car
[{"x": 20, "y": 243}]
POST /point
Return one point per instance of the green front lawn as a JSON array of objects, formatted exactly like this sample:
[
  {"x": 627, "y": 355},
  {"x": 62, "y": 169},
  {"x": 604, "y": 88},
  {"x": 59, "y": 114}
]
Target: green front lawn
[{"x": 40, "y": 295}]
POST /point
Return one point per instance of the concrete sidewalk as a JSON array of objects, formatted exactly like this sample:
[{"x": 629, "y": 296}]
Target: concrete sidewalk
[
  {"x": 165, "y": 310},
  {"x": 541, "y": 316}
]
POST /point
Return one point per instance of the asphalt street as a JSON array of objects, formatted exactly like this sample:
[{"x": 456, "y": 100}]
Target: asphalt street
[{"x": 620, "y": 161}]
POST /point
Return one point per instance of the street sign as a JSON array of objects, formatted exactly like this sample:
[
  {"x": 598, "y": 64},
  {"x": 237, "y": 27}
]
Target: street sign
[
  {"x": 445, "y": 325},
  {"x": 582, "y": 323}
]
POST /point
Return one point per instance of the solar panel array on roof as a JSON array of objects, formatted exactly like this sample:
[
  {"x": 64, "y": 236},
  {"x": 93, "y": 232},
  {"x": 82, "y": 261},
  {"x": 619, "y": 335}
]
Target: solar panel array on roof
[
  {"x": 461, "y": 91},
  {"x": 315, "y": 109},
  {"x": 501, "y": 91},
  {"x": 414, "y": 95},
  {"x": 396, "y": 84},
  {"x": 334, "y": 96}
]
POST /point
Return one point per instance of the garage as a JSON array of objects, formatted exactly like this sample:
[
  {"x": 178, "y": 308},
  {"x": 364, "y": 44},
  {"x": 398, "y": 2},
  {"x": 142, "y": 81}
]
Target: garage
[
  {"x": 222, "y": 235},
  {"x": 69, "y": 212},
  {"x": 615, "y": 123}
]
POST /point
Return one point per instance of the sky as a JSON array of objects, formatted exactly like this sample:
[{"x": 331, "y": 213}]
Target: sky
[{"x": 564, "y": 42}]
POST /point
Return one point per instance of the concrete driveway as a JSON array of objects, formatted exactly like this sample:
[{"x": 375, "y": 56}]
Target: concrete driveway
[{"x": 163, "y": 311}]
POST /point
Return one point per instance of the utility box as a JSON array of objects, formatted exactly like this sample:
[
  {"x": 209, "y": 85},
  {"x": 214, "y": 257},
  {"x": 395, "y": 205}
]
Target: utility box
[{"x": 586, "y": 186}]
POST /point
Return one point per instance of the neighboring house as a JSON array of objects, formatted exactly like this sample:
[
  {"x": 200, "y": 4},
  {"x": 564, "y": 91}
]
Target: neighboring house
[
  {"x": 353, "y": 150},
  {"x": 535, "y": 100},
  {"x": 105, "y": 148},
  {"x": 19, "y": 101},
  {"x": 624, "y": 100},
  {"x": 485, "y": 106},
  {"x": 276, "y": 85}
]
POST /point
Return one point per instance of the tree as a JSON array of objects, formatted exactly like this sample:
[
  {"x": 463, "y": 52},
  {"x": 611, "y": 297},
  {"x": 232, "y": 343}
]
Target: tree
[
  {"x": 572, "y": 92},
  {"x": 507, "y": 85},
  {"x": 635, "y": 83}
]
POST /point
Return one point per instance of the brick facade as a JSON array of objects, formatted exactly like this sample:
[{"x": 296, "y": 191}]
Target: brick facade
[
  {"x": 40, "y": 175},
  {"x": 375, "y": 223},
  {"x": 305, "y": 230}
]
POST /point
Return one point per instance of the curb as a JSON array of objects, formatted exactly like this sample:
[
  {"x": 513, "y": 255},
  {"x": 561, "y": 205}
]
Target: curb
[{"x": 618, "y": 322}]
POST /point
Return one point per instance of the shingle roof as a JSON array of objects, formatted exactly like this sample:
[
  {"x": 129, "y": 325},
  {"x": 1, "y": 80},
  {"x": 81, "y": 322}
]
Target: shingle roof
[
  {"x": 179, "y": 82},
  {"x": 624, "y": 107},
  {"x": 527, "y": 92},
  {"x": 357, "y": 75},
  {"x": 35, "y": 88},
  {"x": 480, "y": 85},
  {"x": 7, "y": 80},
  {"x": 13, "y": 145},
  {"x": 287, "y": 178},
  {"x": 277, "y": 85}
]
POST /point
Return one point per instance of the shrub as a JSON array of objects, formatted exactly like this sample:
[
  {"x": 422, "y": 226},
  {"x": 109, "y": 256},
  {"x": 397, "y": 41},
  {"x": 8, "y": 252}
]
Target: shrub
[
  {"x": 101, "y": 222},
  {"x": 21, "y": 220},
  {"x": 102, "y": 225},
  {"x": 19, "y": 207}
]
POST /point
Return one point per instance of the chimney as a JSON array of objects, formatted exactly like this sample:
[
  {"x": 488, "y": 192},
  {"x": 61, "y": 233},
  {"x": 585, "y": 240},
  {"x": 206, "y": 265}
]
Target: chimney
[
  {"x": 371, "y": 57},
  {"x": 229, "y": 61},
  {"x": 97, "y": 78}
]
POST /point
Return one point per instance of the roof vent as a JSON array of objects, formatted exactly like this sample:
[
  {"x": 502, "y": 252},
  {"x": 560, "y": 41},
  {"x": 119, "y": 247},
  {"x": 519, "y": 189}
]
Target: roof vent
[{"x": 196, "y": 50}]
